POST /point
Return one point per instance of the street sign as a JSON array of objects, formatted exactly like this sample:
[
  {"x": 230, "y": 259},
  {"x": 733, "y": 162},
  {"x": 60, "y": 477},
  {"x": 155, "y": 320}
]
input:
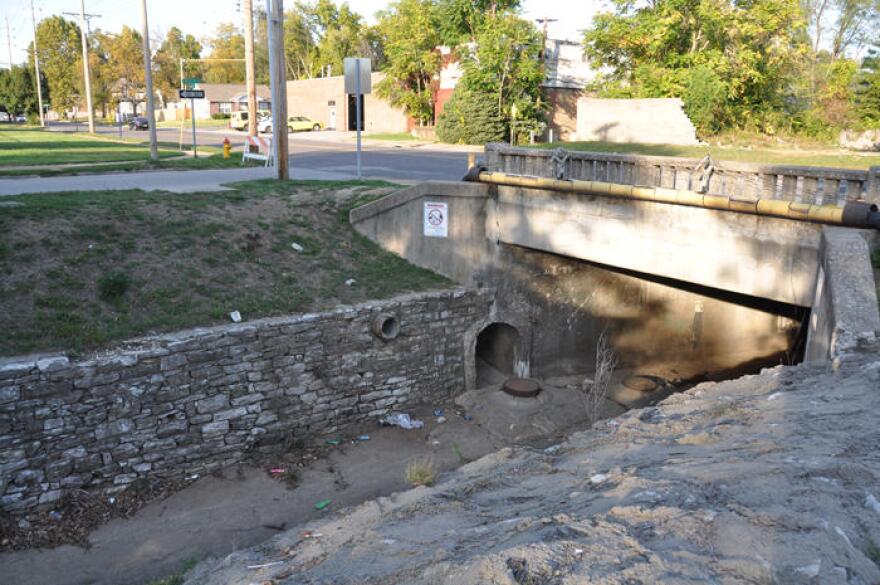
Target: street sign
[
  {"x": 350, "y": 65},
  {"x": 192, "y": 80},
  {"x": 192, "y": 94}
]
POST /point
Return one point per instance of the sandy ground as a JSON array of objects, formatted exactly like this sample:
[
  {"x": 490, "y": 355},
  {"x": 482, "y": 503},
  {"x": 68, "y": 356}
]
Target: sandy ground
[
  {"x": 218, "y": 515},
  {"x": 769, "y": 479}
]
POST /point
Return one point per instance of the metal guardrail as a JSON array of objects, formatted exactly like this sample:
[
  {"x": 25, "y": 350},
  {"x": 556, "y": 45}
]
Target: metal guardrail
[{"x": 736, "y": 180}]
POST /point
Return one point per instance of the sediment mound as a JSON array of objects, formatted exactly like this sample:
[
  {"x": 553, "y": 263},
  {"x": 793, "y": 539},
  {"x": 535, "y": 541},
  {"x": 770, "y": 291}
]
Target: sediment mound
[{"x": 766, "y": 479}]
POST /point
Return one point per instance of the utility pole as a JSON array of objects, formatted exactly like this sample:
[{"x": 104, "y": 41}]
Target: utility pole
[
  {"x": 275, "y": 14},
  {"x": 37, "y": 67},
  {"x": 250, "y": 66},
  {"x": 85, "y": 49},
  {"x": 148, "y": 76},
  {"x": 8, "y": 42}
]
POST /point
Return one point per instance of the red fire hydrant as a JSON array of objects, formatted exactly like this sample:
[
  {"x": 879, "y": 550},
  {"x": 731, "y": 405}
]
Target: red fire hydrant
[{"x": 227, "y": 148}]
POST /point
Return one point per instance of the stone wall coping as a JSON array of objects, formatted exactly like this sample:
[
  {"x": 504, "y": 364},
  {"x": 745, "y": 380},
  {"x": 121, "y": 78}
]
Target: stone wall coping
[
  {"x": 130, "y": 351},
  {"x": 689, "y": 163}
]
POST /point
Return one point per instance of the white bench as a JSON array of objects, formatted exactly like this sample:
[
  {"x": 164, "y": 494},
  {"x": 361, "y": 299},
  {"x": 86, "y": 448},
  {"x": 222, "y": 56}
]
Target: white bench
[{"x": 258, "y": 148}]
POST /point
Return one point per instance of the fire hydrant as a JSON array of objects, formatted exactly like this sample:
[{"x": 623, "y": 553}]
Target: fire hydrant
[{"x": 227, "y": 148}]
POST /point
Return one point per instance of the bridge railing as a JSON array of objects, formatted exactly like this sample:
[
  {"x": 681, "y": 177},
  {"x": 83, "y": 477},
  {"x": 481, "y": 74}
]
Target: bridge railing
[{"x": 738, "y": 180}]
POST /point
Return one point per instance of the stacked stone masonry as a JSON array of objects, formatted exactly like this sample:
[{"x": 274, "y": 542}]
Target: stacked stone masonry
[{"x": 175, "y": 405}]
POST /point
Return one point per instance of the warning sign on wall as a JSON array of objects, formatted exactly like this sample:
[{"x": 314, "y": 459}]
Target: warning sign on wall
[{"x": 436, "y": 220}]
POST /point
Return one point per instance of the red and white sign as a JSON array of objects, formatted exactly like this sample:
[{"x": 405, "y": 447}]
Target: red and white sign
[{"x": 436, "y": 220}]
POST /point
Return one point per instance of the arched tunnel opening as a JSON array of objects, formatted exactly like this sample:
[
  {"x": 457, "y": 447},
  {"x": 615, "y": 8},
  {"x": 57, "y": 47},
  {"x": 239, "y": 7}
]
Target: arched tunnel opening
[{"x": 496, "y": 353}]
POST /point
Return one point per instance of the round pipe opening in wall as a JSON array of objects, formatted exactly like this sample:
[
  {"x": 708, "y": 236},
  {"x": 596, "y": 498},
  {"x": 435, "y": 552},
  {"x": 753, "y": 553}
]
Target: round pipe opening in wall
[{"x": 385, "y": 326}]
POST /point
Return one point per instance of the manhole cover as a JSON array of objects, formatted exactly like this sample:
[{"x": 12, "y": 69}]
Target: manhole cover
[
  {"x": 640, "y": 383},
  {"x": 521, "y": 388}
]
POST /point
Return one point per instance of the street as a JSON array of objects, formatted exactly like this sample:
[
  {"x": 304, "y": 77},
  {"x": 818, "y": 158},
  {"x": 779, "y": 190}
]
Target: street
[{"x": 326, "y": 152}]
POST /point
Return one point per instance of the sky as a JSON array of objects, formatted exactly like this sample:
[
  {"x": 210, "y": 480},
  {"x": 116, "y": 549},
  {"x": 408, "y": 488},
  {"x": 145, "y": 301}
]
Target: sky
[{"x": 201, "y": 17}]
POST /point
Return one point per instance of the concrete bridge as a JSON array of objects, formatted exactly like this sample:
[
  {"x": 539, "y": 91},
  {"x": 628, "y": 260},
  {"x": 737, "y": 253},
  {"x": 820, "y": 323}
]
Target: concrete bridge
[{"x": 676, "y": 287}]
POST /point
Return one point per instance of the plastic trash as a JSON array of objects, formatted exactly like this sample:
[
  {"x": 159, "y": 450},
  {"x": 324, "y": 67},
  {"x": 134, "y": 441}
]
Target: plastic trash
[
  {"x": 871, "y": 502},
  {"x": 333, "y": 442},
  {"x": 441, "y": 420},
  {"x": 401, "y": 420},
  {"x": 55, "y": 515},
  {"x": 277, "y": 470},
  {"x": 438, "y": 412},
  {"x": 467, "y": 417},
  {"x": 235, "y": 316},
  {"x": 350, "y": 282},
  {"x": 364, "y": 438},
  {"x": 297, "y": 247},
  {"x": 322, "y": 505}
]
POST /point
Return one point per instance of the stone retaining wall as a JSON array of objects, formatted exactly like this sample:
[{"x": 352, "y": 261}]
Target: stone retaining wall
[{"x": 197, "y": 400}]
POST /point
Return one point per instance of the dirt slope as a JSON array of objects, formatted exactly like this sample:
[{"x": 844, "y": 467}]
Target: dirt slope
[{"x": 766, "y": 479}]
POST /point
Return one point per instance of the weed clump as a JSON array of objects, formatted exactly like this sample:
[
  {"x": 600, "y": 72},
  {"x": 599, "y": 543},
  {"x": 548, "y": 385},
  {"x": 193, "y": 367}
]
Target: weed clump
[
  {"x": 113, "y": 285},
  {"x": 421, "y": 471}
]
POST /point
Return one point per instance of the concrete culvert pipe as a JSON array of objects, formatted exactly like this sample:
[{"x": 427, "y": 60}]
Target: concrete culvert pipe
[
  {"x": 385, "y": 326},
  {"x": 855, "y": 214}
]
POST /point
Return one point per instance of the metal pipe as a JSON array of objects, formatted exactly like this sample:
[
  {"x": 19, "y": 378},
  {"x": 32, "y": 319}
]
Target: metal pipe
[{"x": 857, "y": 214}]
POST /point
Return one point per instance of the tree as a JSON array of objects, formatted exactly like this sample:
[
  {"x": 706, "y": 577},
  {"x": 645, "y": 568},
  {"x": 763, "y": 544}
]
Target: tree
[
  {"x": 470, "y": 117},
  {"x": 856, "y": 19},
  {"x": 753, "y": 47},
  {"x": 505, "y": 62},
  {"x": 460, "y": 20},
  {"x": 410, "y": 33},
  {"x": 867, "y": 93},
  {"x": 124, "y": 66},
  {"x": 18, "y": 92},
  {"x": 228, "y": 43},
  {"x": 175, "y": 46},
  {"x": 60, "y": 53}
]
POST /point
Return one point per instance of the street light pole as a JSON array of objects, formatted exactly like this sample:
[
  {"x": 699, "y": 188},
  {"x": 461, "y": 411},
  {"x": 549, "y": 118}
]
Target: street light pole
[
  {"x": 148, "y": 76},
  {"x": 86, "y": 74}
]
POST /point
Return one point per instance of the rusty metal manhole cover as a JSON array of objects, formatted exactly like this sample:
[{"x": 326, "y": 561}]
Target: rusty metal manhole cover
[
  {"x": 521, "y": 388},
  {"x": 641, "y": 383}
]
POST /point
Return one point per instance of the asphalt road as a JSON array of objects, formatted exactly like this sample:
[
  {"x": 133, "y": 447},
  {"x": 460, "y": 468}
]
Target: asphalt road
[{"x": 330, "y": 152}]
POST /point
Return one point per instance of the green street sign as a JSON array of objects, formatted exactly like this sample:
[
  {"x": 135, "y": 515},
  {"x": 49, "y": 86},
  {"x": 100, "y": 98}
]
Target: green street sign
[{"x": 193, "y": 80}]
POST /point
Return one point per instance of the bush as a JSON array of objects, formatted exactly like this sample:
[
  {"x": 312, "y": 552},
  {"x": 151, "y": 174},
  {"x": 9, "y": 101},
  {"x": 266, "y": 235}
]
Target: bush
[
  {"x": 113, "y": 285},
  {"x": 470, "y": 118},
  {"x": 221, "y": 116},
  {"x": 704, "y": 100}
]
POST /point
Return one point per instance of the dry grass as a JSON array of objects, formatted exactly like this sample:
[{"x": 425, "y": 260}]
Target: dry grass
[
  {"x": 421, "y": 471},
  {"x": 595, "y": 390}
]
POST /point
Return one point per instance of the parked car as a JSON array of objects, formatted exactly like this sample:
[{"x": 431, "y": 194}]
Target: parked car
[
  {"x": 239, "y": 120},
  {"x": 138, "y": 123},
  {"x": 294, "y": 124},
  {"x": 21, "y": 118}
]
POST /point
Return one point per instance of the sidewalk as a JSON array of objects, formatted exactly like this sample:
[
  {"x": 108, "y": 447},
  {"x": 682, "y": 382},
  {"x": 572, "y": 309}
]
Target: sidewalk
[{"x": 173, "y": 181}]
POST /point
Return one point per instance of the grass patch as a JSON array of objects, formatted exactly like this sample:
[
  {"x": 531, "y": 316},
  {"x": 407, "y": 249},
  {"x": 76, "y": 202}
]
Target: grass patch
[
  {"x": 395, "y": 137},
  {"x": 179, "y": 577},
  {"x": 806, "y": 157},
  {"x": 421, "y": 471},
  {"x": 34, "y": 146},
  {"x": 81, "y": 270}
]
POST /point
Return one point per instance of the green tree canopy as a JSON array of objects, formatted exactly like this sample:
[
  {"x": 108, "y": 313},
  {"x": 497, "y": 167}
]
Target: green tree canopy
[
  {"x": 60, "y": 53},
  {"x": 410, "y": 36},
  {"x": 227, "y": 43},
  {"x": 748, "y": 49},
  {"x": 166, "y": 62},
  {"x": 18, "y": 92}
]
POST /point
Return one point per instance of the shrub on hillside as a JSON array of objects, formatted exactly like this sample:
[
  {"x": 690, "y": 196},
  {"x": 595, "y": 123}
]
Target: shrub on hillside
[{"x": 470, "y": 118}]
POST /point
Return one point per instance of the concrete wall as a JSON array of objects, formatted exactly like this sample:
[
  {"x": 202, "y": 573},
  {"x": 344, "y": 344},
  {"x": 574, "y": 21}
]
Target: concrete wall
[
  {"x": 312, "y": 98},
  {"x": 560, "y": 304},
  {"x": 194, "y": 401},
  {"x": 845, "y": 314},
  {"x": 653, "y": 120}
]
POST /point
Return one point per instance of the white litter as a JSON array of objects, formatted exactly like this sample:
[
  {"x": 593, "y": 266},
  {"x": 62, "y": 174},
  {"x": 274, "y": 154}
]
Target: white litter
[
  {"x": 774, "y": 396},
  {"x": 401, "y": 420},
  {"x": 598, "y": 478},
  {"x": 273, "y": 564},
  {"x": 810, "y": 571},
  {"x": 350, "y": 282},
  {"x": 235, "y": 316},
  {"x": 871, "y": 502},
  {"x": 297, "y": 247},
  {"x": 843, "y": 535}
]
